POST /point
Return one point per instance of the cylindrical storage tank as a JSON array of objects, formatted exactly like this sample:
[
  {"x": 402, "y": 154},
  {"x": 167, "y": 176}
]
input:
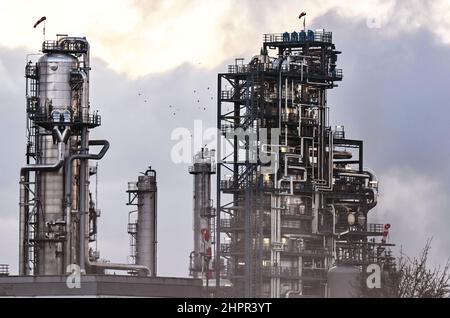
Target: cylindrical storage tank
[
  {"x": 55, "y": 92},
  {"x": 302, "y": 36},
  {"x": 146, "y": 237},
  {"x": 344, "y": 282},
  {"x": 55, "y": 99},
  {"x": 294, "y": 36}
]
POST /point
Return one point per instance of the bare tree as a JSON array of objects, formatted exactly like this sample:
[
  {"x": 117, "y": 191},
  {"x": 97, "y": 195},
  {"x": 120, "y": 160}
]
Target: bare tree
[{"x": 412, "y": 278}]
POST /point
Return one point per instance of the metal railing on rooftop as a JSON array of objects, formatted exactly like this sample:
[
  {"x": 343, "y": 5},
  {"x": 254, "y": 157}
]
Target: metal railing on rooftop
[
  {"x": 65, "y": 46},
  {"x": 132, "y": 228},
  {"x": 230, "y": 223},
  {"x": 132, "y": 186},
  {"x": 325, "y": 37},
  {"x": 91, "y": 120},
  {"x": 4, "y": 269},
  {"x": 203, "y": 168},
  {"x": 31, "y": 71},
  {"x": 372, "y": 228}
]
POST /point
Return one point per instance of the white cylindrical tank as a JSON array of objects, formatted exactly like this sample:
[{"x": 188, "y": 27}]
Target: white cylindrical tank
[
  {"x": 344, "y": 282},
  {"x": 146, "y": 237},
  {"x": 55, "y": 92}
]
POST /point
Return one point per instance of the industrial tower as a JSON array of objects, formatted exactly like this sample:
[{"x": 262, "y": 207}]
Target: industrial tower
[
  {"x": 58, "y": 215},
  {"x": 200, "y": 259},
  {"x": 293, "y": 194}
]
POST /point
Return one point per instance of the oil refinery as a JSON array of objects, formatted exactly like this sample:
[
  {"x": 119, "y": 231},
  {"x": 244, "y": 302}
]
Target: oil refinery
[{"x": 281, "y": 212}]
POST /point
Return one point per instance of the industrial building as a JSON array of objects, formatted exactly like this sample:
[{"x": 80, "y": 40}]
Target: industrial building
[{"x": 292, "y": 193}]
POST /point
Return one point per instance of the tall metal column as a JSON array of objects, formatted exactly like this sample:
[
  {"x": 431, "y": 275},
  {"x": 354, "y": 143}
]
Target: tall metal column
[{"x": 146, "y": 237}]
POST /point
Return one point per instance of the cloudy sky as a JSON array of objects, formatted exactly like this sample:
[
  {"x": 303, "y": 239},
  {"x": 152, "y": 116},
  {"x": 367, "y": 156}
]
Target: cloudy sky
[{"x": 394, "y": 96}]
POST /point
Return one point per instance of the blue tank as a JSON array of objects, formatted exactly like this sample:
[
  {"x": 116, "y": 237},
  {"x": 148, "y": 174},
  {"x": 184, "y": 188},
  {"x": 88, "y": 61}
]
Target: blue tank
[
  {"x": 310, "y": 35},
  {"x": 294, "y": 36},
  {"x": 286, "y": 37},
  {"x": 302, "y": 36}
]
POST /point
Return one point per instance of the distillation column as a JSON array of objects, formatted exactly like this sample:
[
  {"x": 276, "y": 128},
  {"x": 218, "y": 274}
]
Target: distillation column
[
  {"x": 201, "y": 256},
  {"x": 54, "y": 205},
  {"x": 146, "y": 237},
  {"x": 57, "y": 214}
]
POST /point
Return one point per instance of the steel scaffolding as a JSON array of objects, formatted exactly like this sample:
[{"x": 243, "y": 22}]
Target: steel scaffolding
[{"x": 288, "y": 185}]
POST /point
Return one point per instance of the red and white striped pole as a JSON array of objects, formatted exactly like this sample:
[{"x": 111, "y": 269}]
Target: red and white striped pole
[{"x": 385, "y": 233}]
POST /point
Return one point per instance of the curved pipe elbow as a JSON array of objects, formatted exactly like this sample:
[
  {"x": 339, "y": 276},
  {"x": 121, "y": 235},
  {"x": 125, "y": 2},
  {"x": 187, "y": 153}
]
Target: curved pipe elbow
[
  {"x": 103, "y": 151},
  {"x": 68, "y": 163},
  {"x": 371, "y": 174},
  {"x": 42, "y": 168}
]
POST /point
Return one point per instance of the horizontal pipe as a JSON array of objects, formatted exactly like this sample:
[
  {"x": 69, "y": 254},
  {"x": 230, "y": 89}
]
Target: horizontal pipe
[
  {"x": 116, "y": 266},
  {"x": 294, "y": 292},
  {"x": 42, "y": 168},
  {"x": 355, "y": 175},
  {"x": 68, "y": 170},
  {"x": 372, "y": 175},
  {"x": 372, "y": 178}
]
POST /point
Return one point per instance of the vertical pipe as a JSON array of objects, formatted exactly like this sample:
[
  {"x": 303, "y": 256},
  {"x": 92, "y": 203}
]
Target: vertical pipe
[
  {"x": 83, "y": 200},
  {"x": 155, "y": 230},
  {"x": 248, "y": 236},
  {"x": 24, "y": 176},
  {"x": 361, "y": 158},
  {"x": 217, "y": 266},
  {"x": 286, "y": 111},
  {"x": 22, "y": 215},
  {"x": 83, "y": 206}
]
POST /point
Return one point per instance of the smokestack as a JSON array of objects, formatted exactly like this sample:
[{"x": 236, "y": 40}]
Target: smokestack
[
  {"x": 143, "y": 228},
  {"x": 203, "y": 216}
]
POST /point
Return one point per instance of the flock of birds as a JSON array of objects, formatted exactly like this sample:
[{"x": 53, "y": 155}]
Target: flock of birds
[{"x": 174, "y": 110}]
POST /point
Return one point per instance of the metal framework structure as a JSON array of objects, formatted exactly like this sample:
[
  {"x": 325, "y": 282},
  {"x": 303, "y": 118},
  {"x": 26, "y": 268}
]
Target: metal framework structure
[
  {"x": 58, "y": 215},
  {"x": 292, "y": 193},
  {"x": 4, "y": 270}
]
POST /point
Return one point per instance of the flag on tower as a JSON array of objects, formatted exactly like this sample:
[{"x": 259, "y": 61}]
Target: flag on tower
[
  {"x": 39, "y": 22},
  {"x": 303, "y": 14}
]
